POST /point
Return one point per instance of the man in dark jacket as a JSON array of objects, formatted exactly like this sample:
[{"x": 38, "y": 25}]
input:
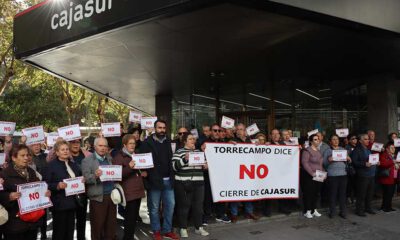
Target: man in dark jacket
[
  {"x": 159, "y": 181},
  {"x": 365, "y": 176}
]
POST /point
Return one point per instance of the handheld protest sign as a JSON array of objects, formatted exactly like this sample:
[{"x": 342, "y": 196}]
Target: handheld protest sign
[
  {"x": 320, "y": 176},
  {"x": 339, "y": 155},
  {"x": 7, "y": 128},
  {"x": 70, "y": 133},
  {"x": 143, "y": 161},
  {"x": 196, "y": 159},
  {"x": 252, "y": 129},
  {"x": 194, "y": 132},
  {"x": 148, "y": 122},
  {"x": 396, "y": 142},
  {"x": 34, "y": 135},
  {"x": 135, "y": 117},
  {"x": 111, "y": 173},
  {"x": 377, "y": 147},
  {"x": 51, "y": 139},
  {"x": 173, "y": 147},
  {"x": 373, "y": 158},
  {"x": 2, "y": 158},
  {"x": 294, "y": 140},
  {"x": 342, "y": 132},
  {"x": 315, "y": 131},
  {"x": 74, "y": 186},
  {"x": 111, "y": 129},
  {"x": 227, "y": 123},
  {"x": 33, "y": 197}
]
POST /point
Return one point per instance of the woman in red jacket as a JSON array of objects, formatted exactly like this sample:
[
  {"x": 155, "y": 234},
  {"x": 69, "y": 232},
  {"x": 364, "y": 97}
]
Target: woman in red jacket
[{"x": 388, "y": 175}]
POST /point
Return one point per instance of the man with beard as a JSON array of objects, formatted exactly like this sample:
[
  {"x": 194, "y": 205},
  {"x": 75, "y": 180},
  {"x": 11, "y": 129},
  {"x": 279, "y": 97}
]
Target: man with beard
[{"x": 159, "y": 181}]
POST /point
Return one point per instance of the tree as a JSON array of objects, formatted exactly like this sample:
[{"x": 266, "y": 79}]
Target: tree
[{"x": 73, "y": 98}]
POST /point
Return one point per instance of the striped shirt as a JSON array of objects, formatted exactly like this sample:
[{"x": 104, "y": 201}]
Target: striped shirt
[{"x": 184, "y": 172}]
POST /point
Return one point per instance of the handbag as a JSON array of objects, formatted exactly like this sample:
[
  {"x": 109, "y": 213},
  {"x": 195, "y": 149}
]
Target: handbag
[{"x": 32, "y": 216}]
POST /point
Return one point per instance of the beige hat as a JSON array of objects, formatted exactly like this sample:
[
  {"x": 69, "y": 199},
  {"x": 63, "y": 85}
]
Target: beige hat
[
  {"x": 3, "y": 215},
  {"x": 118, "y": 195}
]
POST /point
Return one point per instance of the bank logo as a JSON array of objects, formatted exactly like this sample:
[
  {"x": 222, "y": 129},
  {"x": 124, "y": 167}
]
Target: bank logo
[{"x": 76, "y": 13}]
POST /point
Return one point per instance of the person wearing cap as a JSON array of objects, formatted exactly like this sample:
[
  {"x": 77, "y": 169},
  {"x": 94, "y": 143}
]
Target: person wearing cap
[
  {"x": 77, "y": 155},
  {"x": 63, "y": 210},
  {"x": 18, "y": 172},
  {"x": 132, "y": 184},
  {"x": 103, "y": 211}
]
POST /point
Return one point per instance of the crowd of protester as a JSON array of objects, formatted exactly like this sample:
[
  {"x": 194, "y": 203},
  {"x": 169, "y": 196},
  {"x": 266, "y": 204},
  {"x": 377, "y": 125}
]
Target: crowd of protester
[{"x": 175, "y": 191}]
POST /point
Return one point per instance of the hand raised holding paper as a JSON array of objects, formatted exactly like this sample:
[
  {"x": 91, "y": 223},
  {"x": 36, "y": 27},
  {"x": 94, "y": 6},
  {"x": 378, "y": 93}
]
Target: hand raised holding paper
[
  {"x": 98, "y": 173},
  {"x": 61, "y": 185}
]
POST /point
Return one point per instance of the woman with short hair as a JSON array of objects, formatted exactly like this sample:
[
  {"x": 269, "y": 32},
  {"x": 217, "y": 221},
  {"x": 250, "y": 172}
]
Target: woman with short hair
[{"x": 63, "y": 210}]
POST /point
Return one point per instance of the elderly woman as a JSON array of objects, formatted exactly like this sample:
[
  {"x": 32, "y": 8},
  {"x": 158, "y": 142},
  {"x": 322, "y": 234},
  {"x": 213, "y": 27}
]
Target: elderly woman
[
  {"x": 15, "y": 174},
  {"x": 311, "y": 161},
  {"x": 262, "y": 139},
  {"x": 132, "y": 184},
  {"x": 387, "y": 176},
  {"x": 337, "y": 178},
  {"x": 189, "y": 187},
  {"x": 63, "y": 209}
]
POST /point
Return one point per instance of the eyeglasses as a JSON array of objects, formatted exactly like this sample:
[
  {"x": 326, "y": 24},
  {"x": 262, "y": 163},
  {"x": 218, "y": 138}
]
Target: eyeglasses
[
  {"x": 216, "y": 130},
  {"x": 181, "y": 133}
]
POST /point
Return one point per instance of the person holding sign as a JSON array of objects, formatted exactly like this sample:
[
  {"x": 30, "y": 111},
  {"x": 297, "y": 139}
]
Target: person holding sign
[
  {"x": 132, "y": 184},
  {"x": 15, "y": 174},
  {"x": 335, "y": 160},
  {"x": 365, "y": 176},
  {"x": 159, "y": 182},
  {"x": 189, "y": 187},
  {"x": 387, "y": 174},
  {"x": 63, "y": 210},
  {"x": 102, "y": 209},
  {"x": 311, "y": 161}
]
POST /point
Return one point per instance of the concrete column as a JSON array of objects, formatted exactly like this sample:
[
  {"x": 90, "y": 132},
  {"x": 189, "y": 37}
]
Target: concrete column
[
  {"x": 382, "y": 105},
  {"x": 164, "y": 109}
]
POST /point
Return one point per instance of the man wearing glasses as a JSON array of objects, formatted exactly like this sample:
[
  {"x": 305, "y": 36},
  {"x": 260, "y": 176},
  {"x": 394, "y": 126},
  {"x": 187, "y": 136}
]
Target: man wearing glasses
[
  {"x": 365, "y": 176},
  {"x": 220, "y": 208},
  {"x": 178, "y": 138}
]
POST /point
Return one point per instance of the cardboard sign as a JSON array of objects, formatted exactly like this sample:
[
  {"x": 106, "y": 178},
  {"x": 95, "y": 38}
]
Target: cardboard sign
[
  {"x": 377, "y": 147},
  {"x": 342, "y": 132},
  {"x": 135, "y": 117},
  {"x": 194, "y": 132},
  {"x": 7, "y": 128},
  {"x": 51, "y": 139},
  {"x": 292, "y": 141},
  {"x": 339, "y": 155},
  {"x": 143, "y": 161},
  {"x": 173, "y": 147},
  {"x": 34, "y": 135},
  {"x": 396, "y": 142},
  {"x": 315, "y": 131},
  {"x": 70, "y": 133},
  {"x": 74, "y": 186},
  {"x": 373, "y": 158},
  {"x": 196, "y": 159},
  {"x": 227, "y": 123},
  {"x": 111, "y": 129},
  {"x": 148, "y": 122},
  {"x": 111, "y": 173},
  {"x": 2, "y": 158},
  {"x": 33, "y": 197},
  {"x": 320, "y": 176},
  {"x": 252, "y": 129}
]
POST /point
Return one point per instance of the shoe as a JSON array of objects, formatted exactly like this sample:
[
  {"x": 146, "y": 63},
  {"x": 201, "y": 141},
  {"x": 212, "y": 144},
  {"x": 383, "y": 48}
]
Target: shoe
[
  {"x": 316, "y": 213},
  {"x": 171, "y": 235},
  {"x": 361, "y": 214},
  {"x": 205, "y": 221},
  {"x": 223, "y": 219},
  {"x": 370, "y": 211},
  {"x": 308, "y": 214},
  {"x": 342, "y": 215},
  {"x": 252, "y": 216},
  {"x": 157, "y": 235},
  {"x": 201, "y": 231},
  {"x": 183, "y": 233},
  {"x": 234, "y": 218}
]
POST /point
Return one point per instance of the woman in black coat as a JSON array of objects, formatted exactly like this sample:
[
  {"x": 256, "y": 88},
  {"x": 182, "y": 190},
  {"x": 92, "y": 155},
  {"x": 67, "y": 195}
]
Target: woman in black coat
[{"x": 63, "y": 209}]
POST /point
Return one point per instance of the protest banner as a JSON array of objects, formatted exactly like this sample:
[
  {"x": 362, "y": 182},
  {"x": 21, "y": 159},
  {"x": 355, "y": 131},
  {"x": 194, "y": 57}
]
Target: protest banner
[
  {"x": 33, "y": 197},
  {"x": 245, "y": 172}
]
